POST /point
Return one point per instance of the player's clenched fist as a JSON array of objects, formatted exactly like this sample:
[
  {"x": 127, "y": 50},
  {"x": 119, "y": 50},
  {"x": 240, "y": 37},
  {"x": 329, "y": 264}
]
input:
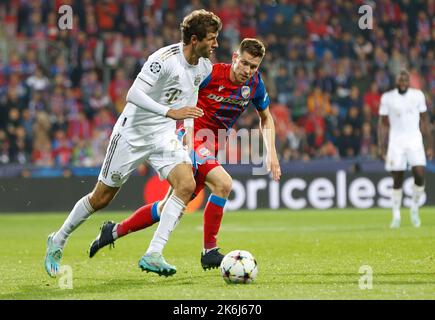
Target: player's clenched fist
[{"x": 185, "y": 113}]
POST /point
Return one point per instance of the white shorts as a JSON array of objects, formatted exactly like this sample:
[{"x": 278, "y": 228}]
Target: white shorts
[
  {"x": 122, "y": 158},
  {"x": 399, "y": 156}
]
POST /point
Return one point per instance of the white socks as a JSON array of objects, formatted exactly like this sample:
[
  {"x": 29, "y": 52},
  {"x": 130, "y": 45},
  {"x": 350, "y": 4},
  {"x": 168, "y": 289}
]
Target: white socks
[
  {"x": 115, "y": 231},
  {"x": 205, "y": 251},
  {"x": 396, "y": 197},
  {"x": 417, "y": 192},
  {"x": 169, "y": 218},
  {"x": 81, "y": 211}
]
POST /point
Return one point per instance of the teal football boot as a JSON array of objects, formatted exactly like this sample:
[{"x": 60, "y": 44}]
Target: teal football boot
[
  {"x": 53, "y": 256},
  {"x": 154, "y": 262}
]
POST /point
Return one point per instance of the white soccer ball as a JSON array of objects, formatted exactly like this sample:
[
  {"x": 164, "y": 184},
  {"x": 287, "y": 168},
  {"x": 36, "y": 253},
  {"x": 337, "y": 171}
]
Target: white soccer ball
[{"x": 239, "y": 266}]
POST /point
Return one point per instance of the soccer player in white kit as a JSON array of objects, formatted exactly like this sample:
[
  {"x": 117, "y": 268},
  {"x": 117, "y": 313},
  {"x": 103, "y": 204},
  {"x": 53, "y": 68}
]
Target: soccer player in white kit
[
  {"x": 402, "y": 112},
  {"x": 165, "y": 90}
]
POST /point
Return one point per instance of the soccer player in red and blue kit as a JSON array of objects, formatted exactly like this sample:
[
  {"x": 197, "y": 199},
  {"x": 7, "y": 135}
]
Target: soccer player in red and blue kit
[{"x": 223, "y": 96}]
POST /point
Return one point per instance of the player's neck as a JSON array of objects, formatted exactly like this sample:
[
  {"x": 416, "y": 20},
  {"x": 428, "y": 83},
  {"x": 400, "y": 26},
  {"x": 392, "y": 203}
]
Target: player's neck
[
  {"x": 233, "y": 78},
  {"x": 402, "y": 91},
  {"x": 190, "y": 55}
]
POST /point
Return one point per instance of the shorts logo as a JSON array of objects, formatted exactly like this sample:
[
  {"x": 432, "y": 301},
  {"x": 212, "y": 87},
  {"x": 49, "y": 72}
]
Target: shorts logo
[
  {"x": 204, "y": 152},
  {"x": 197, "y": 80},
  {"x": 116, "y": 176},
  {"x": 155, "y": 67},
  {"x": 246, "y": 91}
]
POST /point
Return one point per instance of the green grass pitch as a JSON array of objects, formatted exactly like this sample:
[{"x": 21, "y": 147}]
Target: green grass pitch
[{"x": 309, "y": 254}]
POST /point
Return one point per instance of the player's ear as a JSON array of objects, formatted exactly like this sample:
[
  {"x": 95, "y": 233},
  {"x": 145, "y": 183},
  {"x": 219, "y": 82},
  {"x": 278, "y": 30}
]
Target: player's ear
[
  {"x": 194, "y": 39},
  {"x": 235, "y": 55}
]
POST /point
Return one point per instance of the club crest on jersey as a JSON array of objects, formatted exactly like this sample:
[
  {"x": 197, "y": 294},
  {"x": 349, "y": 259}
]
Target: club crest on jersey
[
  {"x": 246, "y": 91},
  {"x": 116, "y": 176},
  {"x": 155, "y": 67},
  {"x": 197, "y": 80}
]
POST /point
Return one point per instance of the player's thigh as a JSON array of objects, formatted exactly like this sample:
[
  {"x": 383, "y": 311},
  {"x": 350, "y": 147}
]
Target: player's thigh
[
  {"x": 181, "y": 180},
  {"x": 396, "y": 158},
  {"x": 416, "y": 156},
  {"x": 203, "y": 162},
  {"x": 167, "y": 155},
  {"x": 219, "y": 181},
  {"x": 120, "y": 161}
]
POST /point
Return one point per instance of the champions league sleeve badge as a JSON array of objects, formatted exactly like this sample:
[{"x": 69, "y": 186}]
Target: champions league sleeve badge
[{"x": 155, "y": 67}]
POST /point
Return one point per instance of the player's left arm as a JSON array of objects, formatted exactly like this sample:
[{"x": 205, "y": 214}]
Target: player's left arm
[
  {"x": 267, "y": 127},
  {"x": 261, "y": 101},
  {"x": 425, "y": 127}
]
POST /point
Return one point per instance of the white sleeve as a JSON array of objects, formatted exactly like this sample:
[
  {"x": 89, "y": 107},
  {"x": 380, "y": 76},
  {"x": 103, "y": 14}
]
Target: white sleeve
[
  {"x": 383, "y": 108},
  {"x": 422, "y": 102},
  {"x": 152, "y": 71},
  {"x": 138, "y": 96}
]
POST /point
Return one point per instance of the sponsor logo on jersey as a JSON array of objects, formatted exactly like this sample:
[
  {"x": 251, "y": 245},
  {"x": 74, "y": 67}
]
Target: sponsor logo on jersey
[
  {"x": 228, "y": 100},
  {"x": 220, "y": 88},
  {"x": 246, "y": 91},
  {"x": 155, "y": 67}
]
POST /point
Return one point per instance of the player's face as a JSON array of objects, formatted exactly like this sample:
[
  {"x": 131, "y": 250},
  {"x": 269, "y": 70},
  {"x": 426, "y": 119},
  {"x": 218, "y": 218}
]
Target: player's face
[
  {"x": 403, "y": 82},
  {"x": 206, "y": 46},
  {"x": 244, "y": 66}
]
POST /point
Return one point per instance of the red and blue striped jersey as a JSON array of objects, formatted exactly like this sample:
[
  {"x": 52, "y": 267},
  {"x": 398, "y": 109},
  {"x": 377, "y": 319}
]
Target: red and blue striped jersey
[{"x": 223, "y": 102}]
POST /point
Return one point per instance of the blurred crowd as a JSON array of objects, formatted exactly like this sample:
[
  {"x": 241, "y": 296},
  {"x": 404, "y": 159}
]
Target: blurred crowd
[{"x": 61, "y": 90}]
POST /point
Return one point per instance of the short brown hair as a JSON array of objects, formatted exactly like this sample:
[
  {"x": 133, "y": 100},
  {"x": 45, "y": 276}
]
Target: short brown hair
[
  {"x": 199, "y": 23},
  {"x": 252, "y": 46}
]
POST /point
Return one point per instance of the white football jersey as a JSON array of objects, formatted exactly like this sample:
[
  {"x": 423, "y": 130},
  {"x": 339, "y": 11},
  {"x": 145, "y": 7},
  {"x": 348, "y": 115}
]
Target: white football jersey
[
  {"x": 170, "y": 80},
  {"x": 403, "y": 111}
]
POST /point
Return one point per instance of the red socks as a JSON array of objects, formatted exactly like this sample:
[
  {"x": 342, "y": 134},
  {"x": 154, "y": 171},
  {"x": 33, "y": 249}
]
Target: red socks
[
  {"x": 142, "y": 218},
  {"x": 147, "y": 215},
  {"x": 213, "y": 213}
]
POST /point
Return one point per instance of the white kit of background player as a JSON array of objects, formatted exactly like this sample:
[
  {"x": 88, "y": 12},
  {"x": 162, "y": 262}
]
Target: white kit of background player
[{"x": 404, "y": 107}]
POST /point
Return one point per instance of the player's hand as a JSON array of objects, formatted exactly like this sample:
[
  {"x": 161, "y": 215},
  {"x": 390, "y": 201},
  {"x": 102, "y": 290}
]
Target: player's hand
[
  {"x": 429, "y": 153},
  {"x": 274, "y": 167},
  {"x": 185, "y": 113}
]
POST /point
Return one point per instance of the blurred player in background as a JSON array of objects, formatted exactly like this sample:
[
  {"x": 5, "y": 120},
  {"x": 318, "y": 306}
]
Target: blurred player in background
[
  {"x": 145, "y": 130},
  {"x": 223, "y": 96},
  {"x": 402, "y": 112}
]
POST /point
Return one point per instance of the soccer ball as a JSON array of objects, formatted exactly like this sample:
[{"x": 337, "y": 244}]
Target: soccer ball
[{"x": 239, "y": 266}]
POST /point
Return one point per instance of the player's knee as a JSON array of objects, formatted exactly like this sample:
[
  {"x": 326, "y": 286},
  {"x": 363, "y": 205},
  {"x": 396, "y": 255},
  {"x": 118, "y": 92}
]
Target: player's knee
[
  {"x": 419, "y": 180},
  {"x": 397, "y": 184},
  {"x": 223, "y": 188},
  {"x": 186, "y": 187}
]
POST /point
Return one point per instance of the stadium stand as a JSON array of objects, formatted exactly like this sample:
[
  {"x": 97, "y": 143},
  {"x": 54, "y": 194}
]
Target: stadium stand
[{"x": 61, "y": 90}]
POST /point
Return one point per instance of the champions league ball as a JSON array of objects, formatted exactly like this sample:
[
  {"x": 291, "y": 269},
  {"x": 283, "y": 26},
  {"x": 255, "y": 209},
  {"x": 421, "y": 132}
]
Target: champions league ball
[{"x": 239, "y": 266}]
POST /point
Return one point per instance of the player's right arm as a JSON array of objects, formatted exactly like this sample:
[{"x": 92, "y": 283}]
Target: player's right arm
[
  {"x": 139, "y": 97},
  {"x": 425, "y": 126},
  {"x": 383, "y": 128},
  {"x": 153, "y": 72}
]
